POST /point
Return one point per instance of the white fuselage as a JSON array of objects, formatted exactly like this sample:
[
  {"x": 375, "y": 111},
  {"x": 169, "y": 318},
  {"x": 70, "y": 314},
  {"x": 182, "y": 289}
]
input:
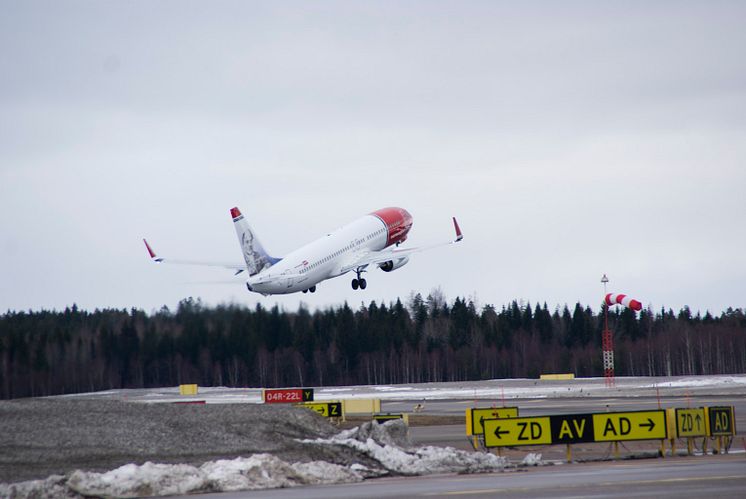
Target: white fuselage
[{"x": 323, "y": 258}]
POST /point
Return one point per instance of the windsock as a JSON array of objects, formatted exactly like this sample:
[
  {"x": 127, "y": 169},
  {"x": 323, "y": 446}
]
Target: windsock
[{"x": 613, "y": 299}]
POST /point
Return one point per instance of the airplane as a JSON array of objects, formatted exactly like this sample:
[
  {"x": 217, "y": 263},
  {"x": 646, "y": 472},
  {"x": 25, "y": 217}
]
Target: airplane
[{"x": 370, "y": 241}]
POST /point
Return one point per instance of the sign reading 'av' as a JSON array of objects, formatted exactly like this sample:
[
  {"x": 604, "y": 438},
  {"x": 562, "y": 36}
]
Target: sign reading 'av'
[{"x": 572, "y": 428}]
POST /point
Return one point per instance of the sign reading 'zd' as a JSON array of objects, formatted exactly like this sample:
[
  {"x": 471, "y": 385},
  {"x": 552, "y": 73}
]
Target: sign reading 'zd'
[
  {"x": 517, "y": 431},
  {"x": 690, "y": 422}
]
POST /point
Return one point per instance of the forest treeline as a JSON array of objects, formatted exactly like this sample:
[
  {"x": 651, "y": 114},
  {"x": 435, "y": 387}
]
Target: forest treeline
[{"x": 424, "y": 340}]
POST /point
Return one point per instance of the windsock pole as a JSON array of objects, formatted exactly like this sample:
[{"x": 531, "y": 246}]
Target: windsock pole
[{"x": 607, "y": 343}]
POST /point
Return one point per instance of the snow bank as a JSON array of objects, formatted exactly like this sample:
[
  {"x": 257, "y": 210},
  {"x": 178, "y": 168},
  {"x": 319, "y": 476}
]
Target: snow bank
[
  {"x": 51, "y": 488},
  {"x": 714, "y": 381},
  {"x": 532, "y": 459},
  {"x": 387, "y": 444},
  {"x": 382, "y": 443},
  {"x": 260, "y": 471}
]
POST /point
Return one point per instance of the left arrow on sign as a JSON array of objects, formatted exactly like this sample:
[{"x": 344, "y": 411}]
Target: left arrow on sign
[{"x": 499, "y": 433}]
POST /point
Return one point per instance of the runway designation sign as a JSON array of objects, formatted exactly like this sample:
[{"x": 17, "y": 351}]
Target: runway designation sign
[
  {"x": 287, "y": 395},
  {"x": 517, "y": 431},
  {"x": 690, "y": 422},
  {"x": 637, "y": 425},
  {"x": 478, "y": 415}
]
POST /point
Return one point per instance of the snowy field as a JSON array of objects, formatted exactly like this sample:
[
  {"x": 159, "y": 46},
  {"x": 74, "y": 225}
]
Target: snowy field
[
  {"x": 471, "y": 390},
  {"x": 312, "y": 452}
]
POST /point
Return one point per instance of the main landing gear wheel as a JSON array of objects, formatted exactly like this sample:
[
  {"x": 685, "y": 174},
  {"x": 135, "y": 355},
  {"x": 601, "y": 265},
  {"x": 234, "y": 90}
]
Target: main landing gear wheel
[
  {"x": 312, "y": 289},
  {"x": 359, "y": 282}
]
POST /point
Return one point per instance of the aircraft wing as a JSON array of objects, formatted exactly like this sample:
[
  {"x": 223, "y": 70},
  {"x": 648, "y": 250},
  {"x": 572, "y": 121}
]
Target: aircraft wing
[
  {"x": 392, "y": 254},
  {"x": 235, "y": 267}
]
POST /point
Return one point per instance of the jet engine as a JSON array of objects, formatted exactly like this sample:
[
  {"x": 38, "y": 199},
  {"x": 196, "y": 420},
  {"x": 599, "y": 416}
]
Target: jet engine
[{"x": 393, "y": 264}]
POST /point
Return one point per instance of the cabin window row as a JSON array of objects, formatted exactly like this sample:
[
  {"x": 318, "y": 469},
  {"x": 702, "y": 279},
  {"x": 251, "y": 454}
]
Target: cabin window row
[{"x": 337, "y": 253}]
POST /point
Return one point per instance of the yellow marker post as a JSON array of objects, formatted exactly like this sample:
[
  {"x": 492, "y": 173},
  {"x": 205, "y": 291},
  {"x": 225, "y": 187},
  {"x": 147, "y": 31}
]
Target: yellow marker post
[
  {"x": 556, "y": 377},
  {"x": 188, "y": 389}
]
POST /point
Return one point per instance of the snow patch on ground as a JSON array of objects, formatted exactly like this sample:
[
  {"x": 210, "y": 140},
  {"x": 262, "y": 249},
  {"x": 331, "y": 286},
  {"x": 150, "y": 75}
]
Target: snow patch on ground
[
  {"x": 489, "y": 389},
  {"x": 387, "y": 444},
  {"x": 260, "y": 471},
  {"x": 376, "y": 441},
  {"x": 532, "y": 459},
  {"x": 699, "y": 382}
]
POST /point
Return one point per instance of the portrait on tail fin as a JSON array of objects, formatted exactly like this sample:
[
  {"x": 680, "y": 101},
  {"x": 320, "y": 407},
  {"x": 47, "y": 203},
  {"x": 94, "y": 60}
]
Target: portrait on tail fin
[{"x": 254, "y": 255}]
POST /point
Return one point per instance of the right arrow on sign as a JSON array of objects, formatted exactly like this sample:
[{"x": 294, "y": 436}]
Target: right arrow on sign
[
  {"x": 649, "y": 425},
  {"x": 499, "y": 433}
]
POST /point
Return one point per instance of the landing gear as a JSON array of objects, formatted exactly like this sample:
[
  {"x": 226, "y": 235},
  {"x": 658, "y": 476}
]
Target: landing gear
[
  {"x": 312, "y": 289},
  {"x": 359, "y": 282}
]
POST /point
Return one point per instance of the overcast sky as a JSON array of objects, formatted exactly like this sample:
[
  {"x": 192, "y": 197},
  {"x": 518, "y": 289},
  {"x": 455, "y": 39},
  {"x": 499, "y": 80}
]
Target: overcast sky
[{"x": 571, "y": 139}]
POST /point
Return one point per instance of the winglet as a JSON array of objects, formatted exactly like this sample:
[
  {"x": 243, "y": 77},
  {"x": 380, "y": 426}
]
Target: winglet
[
  {"x": 151, "y": 252},
  {"x": 235, "y": 212},
  {"x": 459, "y": 235}
]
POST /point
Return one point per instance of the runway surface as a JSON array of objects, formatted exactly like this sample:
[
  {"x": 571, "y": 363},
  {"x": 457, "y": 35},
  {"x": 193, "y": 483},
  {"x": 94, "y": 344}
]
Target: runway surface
[{"x": 717, "y": 476}]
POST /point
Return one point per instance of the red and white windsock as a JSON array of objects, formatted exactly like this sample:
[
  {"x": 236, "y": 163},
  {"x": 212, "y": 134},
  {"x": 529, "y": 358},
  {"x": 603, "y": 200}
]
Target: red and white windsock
[{"x": 613, "y": 299}]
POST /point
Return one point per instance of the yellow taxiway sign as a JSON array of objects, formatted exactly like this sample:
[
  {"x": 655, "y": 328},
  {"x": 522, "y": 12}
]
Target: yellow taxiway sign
[{"x": 636, "y": 425}]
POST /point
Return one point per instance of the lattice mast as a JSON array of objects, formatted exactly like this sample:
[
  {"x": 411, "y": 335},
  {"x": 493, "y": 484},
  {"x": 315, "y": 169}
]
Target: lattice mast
[{"x": 607, "y": 342}]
